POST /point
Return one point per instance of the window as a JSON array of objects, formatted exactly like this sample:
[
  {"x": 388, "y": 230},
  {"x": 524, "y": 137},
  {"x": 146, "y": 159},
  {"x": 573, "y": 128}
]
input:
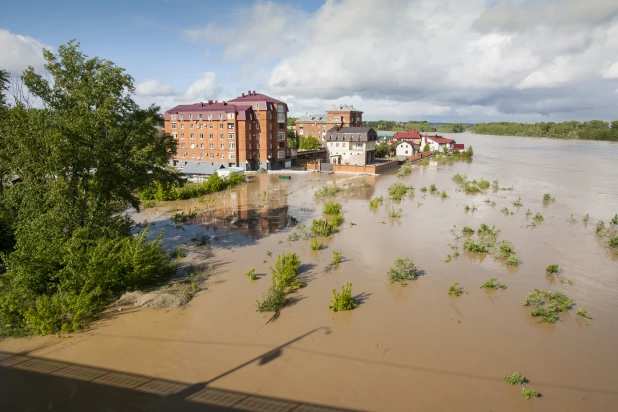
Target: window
[
  {"x": 192, "y": 146},
  {"x": 199, "y": 116},
  {"x": 221, "y": 146},
  {"x": 220, "y": 125},
  {"x": 179, "y": 117},
  {"x": 175, "y": 135},
  {"x": 182, "y": 135},
  {"x": 270, "y": 126},
  {"x": 336, "y": 144},
  {"x": 257, "y": 106},
  {"x": 184, "y": 154},
  {"x": 250, "y": 126},
  {"x": 192, "y": 136},
  {"x": 230, "y": 115},
  {"x": 209, "y": 116},
  {"x": 231, "y": 155},
  {"x": 257, "y": 116},
  {"x": 231, "y": 145},
  {"x": 257, "y": 126},
  {"x": 230, "y": 135},
  {"x": 212, "y": 155},
  {"x": 258, "y": 136},
  {"x": 192, "y": 154},
  {"x": 182, "y": 126},
  {"x": 280, "y": 154},
  {"x": 210, "y": 126},
  {"x": 191, "y": 126},
  {"x": 173, "y": 117},
  {"x": 270, "y": 145},
  {"x": 249, "y": 146},
  {"x": 220, "y": 116},
  {"x": 258, "y": 146},
  {"x": 211, "y": 136},
  {"x": 182, "y": 145},
  {"x": 221, "y": 136},
  {"x": 202, "y": 136},
  {"x": 173, "y": 125},
  {"x": 212, "y": 146},
  {"x": 201, "y": 145},
  {"x": 222, "y": 156},
  {"x": 230, "y": 125},
  {"x": 191, "y": 118},
  {"x": 200, "y": 126}
]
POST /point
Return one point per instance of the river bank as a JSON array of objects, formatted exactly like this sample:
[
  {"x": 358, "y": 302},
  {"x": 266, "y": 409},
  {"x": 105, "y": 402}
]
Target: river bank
[{"x": 403, "y": 348}]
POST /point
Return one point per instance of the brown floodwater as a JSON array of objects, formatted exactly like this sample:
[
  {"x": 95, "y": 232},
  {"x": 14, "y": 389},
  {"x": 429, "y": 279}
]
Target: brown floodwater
[{"x": 403, "y": 348}]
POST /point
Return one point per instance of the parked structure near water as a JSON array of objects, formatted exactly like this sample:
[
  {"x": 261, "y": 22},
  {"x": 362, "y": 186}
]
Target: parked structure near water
[
  {"x": 317, "y": 125},
  {"x": 248, "y": 132},
  {"x": 351, "y": 145}
]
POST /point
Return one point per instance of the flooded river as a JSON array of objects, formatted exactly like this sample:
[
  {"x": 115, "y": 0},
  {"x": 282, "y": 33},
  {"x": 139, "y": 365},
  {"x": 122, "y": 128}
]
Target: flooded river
[{"x": 411, "y": 348}]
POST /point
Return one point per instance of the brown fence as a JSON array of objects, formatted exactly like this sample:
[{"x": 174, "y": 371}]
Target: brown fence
[
  {"x": 419, "y": 156},
  {"x": 370, "y": 169}
]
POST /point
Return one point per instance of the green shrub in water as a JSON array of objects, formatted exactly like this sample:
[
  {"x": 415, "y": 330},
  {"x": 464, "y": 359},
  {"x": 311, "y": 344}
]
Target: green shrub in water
[
  {"x": 273, "y": 300},
  {"x": 375, "y": 202},
  {"x": 515, "y": 379},
  {"x": 467, "y": 230},
  {"x": 285, "y": 271},
  {"x": 527, "y": 393},
  {"x": 454, "y": 290},
  {"x": 336, "y": 257},
  {"x": 552, "y": 269},
  {"x": 493, "y": 284},
  {"x": 331, "y": 208},
  {"x": 404, "y": 269},
  {"x": 315, "y": 245},
  {"x": 343, "y": 300},
  {"x": 547, "y": 305},
  {"x": 583, "y": 313},
  {"x": 251, "y": 274}
]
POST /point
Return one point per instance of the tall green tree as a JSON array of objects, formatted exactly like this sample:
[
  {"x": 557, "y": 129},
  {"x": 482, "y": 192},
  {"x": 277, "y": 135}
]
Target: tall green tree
[{"x": 79, "y": 158}]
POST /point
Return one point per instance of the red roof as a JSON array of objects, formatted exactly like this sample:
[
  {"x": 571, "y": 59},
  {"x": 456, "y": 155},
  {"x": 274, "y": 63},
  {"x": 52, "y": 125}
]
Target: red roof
[
  {"x": 255, "y": 97},
  {"x": 412, "y": 134},
  {"x": 440, "y": 140},
  {"x": 459, "y": 146}
]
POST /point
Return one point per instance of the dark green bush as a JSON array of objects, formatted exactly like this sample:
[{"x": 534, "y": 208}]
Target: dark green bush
[
  {"x": 331, "y": 208},
  {"x": 404, "y": 269},
  {"x": 343, "y": 300},
  {"x": 215, "y": 183}
]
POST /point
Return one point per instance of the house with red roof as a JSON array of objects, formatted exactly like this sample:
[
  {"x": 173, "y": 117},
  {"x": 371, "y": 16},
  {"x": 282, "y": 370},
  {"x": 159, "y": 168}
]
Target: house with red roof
[
  {"x": 412, "y": 137},
  {"x": 437, "y": 143}
]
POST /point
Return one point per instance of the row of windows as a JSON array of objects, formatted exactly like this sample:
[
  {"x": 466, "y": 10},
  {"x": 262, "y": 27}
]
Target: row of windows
[
  {"x": 210, "y": 126},
  {"x": 230, "y": 145},
  {"x": 212, "y": 155},
  {"x": 210, "y": 136},
  {"x": 200, "y": 116},
  {"x": 356, "y": 145}
]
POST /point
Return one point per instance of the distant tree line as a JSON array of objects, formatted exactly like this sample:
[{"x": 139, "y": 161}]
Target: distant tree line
[
  {"x": 418, "y": 125},
  {"x": 591, "y": 130}
]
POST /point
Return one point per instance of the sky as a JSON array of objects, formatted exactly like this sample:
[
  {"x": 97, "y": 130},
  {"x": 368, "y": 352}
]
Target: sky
[{"x": 441, "y": 61}]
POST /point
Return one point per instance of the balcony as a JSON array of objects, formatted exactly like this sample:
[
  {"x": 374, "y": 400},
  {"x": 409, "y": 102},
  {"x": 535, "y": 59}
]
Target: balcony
[{"x": 281, "y": 137}]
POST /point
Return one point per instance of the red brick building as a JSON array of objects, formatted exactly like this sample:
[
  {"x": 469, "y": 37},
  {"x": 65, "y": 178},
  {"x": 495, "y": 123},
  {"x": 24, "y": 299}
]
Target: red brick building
[
  {"x": 248, "y": 131},
  {"x": 317, "y": 125}
]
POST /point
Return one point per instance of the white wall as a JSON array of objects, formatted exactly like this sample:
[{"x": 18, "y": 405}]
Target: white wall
[
  {"x": 404, "y": 149},
  {"x": 353, "y": 153}
]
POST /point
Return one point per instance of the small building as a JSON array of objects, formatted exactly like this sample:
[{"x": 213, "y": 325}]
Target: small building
[
  {"x": 411, "y": 136},
  {"x": 385, "y": 136},
  {"x": 351, "y": 145},
  {"x": 199, "y": 171},
  {"x": 316, "y": 125},
  {"x": 437, "y": 143},
  {"x": 406, "y": 149},
  {"x": 460, "y": 147}
]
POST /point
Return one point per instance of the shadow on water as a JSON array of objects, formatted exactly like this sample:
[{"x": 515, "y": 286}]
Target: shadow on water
[{"x": 32, "y": 384}]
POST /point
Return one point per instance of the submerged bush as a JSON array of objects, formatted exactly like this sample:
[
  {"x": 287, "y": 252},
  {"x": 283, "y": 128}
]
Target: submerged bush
[
  {"x": 471, "y": 246},
  {"x": 433, "y": 188},
  {"x": 614, "y": 221},
  {"x": 443, "y": 195},
  {"x": 527, "y": 393},
  {"x": 515, "y": 379},
  {"x": 467, "y": 230},
  {"x": 273, "y": 300},
  {"x": 547, "y": 305},
  {"x": 343, "y": 300},
  {"x": 315, "y": 245},
  {"x": 403, "y": 270},
  {"x": 393, "y": 214},
  {"x": 285, "y": 271},
  {"x": 539, "y": 217},
  {"x": 405, "y": 169},
  {"x": 375, "y": 202},
  {"x": 493, "y": 284},
  {"x": 583, "y": 313},
  {"x": 327, "y": 191},
  {"x": 423, "y": 189},
  {"x": 552, "y": 269},
  {"x": 251, "y": 274},
  {"x": 600, "y": 227},
  {"x": 337, "y": 220},
  {"x": 331, "y": 208},
  {"x": 547, "y": 197},
  {"x": 613, "y": 242},
  {"x": 321, "y": 227},
  {"x": 336, "y": 257},
  {"x": 398, "y": 190},
  {"x": 518, "y": 202},
  {"x": 454, "y": 290}
]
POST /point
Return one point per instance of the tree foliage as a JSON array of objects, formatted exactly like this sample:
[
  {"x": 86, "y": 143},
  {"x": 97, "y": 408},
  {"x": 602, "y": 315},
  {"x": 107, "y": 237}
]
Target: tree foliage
[
  {"x": 591, "y": 130},
  {"x": 308, "y": 143},
  {"x": 86, "y": 153}
]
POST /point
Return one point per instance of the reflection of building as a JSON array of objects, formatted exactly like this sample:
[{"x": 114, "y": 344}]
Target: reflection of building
[
  {"x": 351, "y": 145},
  {"x": 317, "y": 125},
  {"x": 248, "y": 131},
  {"x": 244, "y": 209}
]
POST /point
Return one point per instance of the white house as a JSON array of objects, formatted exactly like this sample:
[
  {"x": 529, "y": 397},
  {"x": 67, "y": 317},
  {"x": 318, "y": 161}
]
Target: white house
[
  {"x": 406, "y": 149},
  {"x": 351, "y": 145},
  {"x": 437, "y": 143}
]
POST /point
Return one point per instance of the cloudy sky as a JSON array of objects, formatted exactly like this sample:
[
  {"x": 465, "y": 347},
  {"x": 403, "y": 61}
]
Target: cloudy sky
[{"x": 451, "y": 60}]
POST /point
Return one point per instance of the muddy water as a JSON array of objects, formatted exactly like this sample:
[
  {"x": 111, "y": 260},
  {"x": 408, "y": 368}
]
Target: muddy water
[{"x": 403, "y": 348}]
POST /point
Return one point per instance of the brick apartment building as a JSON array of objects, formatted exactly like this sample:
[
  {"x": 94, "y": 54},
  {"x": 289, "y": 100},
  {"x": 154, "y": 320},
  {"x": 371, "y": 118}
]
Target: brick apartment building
[
  {"x": 248, "y": 131},
  {"x": 317, "y": 125}
]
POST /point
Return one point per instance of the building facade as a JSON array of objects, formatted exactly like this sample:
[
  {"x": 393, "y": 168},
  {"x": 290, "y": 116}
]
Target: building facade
[
  {"x": 248, "y": 131},
  {"x": 351, "y": 145},
  {"x": 317, "y": 125},
  {"x": 437, "y": 143},
  {"x": 406, "y": 149}
]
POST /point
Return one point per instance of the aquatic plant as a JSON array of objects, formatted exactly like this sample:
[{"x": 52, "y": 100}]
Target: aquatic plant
[
  {"x": 331, "y": 208},
  {"x": 321, "y": 227},
  {"x": 405, "y": 169},
  {"x": 518, "y": 202},
  {"x": 178, "y": 253},
  {"x": 285, "y": 271},
  {"x": 565, "y": 280},
  {"x": 483, "y": 184},
  {"x": 613, "y": 242},
  {"x": 547, "y": 305},
  {"x": 404, "y": 269},
  {"x": 467, "y": 230},
  {"x": 398, "y": 190},
  {"x": 273, "y": 300},
  {"x": 443, "y": 195},
  {"x": 506, "y": 211},
  {"x": 470, "y": 187},
  {"x": 547, "y": 198},
  {"x": 538, "y": 217},
  {"x": 552, "y": 269},
  {"x": 327, "y": 191},
  {"x": 515, "y": 379},
  {"x": 336, "y": 257},
  {"x": 337, "y": 220},
  {"x": 343, "y": 300},
  {"x": 600, "y": 227},
  {"x": 293, "y": 236},
  {"x": 454, "y": 290},
  {"x": 583, "y": 313},
  {"x": 423, "y": 189},
  {"x": 471, "y": 246},
  {"x": 433, "y": 188},
  {"x": 394, "y": 214},
  {"x": 315, "y": 245},
  {"x": 448, "y": 259},
  {"x": 460, "y": 179},
  {"x": 527, "y": 393},
  {"x": 513, "y": 260},
  {"x": 493, "y": 284},
  {"x": 251, "y": 274},
  {"x": 586, "y": 218},
  {"x": 375, "y": 202},
  {"x": 528, "y": 213},
  {"x": 614, "y": 221}
]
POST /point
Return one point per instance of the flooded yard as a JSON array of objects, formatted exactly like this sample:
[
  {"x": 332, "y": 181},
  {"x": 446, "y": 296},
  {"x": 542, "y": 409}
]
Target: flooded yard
[{"x": 403, "y": 348}]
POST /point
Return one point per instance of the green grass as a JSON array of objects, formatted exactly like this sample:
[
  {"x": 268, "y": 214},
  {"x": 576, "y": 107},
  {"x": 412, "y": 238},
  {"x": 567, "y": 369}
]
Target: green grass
[
  {"x": 321, "y": 227},
  {"x": 375, "y": 202},
  {"x": 467, "y": 230},
  {"x": 493, "y": 284},
  {"x": 583, "y": 313},
  {"x": 398, "y": 190},
  {"x": 552, "y": 269},
  {"x": 547, "y": 198},
  {"x": 327, "y": 191},
  {"x": 315, "y": 245},
  {"x": 342, "y": 301},
  {"x": 454, "y": 290},
  {"x": 251, "y": 274},
  {"x": 331, "y": 208},
  {"x": 539, "y": 217},
  {"x": 336, "y": 257},
  {"x": 394, "y": 214},
  {"x": 471, "y": 246},
  {"x": 403, "y": 269},
  {"x": 515, "y": 379},
  {"x": 546, "y": 305}
]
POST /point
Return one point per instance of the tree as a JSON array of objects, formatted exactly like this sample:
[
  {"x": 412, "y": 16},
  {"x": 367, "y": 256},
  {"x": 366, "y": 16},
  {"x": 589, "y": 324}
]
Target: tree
[
  {"x": 292, "y": 139},
  {"x": 614, "y": 124},
  {"x": 381, "y": 150},
  {"x": 308, "y": 143},
  {"x": 292, "y": 121},
  {"x": 426, "y": 148},
  {"x": 83, "y": 155}
]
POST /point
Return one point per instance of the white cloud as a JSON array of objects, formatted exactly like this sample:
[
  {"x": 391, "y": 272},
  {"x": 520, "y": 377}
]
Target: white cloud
[
  {"x": 153, "y": 87},
  {"x": 17, "y": 52},
  {"x": 610, "y": 72},
  {"x": 202, "y": 89}
]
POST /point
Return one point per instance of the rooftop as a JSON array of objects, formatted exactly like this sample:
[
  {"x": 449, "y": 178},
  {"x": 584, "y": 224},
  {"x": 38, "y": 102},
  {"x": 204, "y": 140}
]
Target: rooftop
[
  {"x": 345, "y": 107},
  {"x": 321, "y": 117},
  {"x": 440, "y": 139},
  {"x": 252, "y": 96},
  {"x": 412, "y": 134}
]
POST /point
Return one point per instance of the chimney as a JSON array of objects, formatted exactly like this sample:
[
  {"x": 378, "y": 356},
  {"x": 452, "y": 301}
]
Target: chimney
[
  {"x": 209, "y": 101},
  {"x": 249, "y": 93},
  {"x": 215, "y": 101},
  {"x": 254, "y": 92},
  {"x": 224, "y": 103},
  {"x": 243, "y": 95}
]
